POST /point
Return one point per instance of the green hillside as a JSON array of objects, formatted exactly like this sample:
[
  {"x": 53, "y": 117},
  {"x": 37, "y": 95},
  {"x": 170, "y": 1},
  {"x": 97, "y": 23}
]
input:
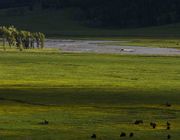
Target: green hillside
[{"x": 62, "y": 23}]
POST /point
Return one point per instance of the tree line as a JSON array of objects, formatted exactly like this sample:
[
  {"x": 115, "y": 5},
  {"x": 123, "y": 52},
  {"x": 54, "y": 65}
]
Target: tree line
[
  {"x": 120, "y": 13},
  {"x": 21, "y": 39}
]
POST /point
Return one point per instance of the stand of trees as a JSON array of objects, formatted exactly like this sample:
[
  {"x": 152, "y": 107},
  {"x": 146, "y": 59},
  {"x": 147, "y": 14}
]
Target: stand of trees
[{"x": 21, "y": 39}]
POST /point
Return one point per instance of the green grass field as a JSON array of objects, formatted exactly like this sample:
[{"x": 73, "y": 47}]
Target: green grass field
[
  {"x": 148, "y": 42},
  {"x": 82, "y": 94}
]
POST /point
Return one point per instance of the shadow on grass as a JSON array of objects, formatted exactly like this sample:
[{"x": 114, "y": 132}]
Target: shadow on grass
[{"x": 88, "y": 96}]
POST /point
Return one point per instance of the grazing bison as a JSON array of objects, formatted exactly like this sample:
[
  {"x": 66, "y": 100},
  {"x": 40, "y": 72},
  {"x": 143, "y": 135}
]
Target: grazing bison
[
  {"x": 137, "y": 122},
  {"x": 45, "y": 122},
  {"x": 131, "y": 135},
  {"x": 93, "y": 136},
  {"x": 168, "y": 104},
  {"x": 154, "y": 125},
  {"x": 169, "y": 137},
  {"x": 168, "y": 124},
  {"x": 168, "y": 127},
  {"x": 123, "y": 134}
]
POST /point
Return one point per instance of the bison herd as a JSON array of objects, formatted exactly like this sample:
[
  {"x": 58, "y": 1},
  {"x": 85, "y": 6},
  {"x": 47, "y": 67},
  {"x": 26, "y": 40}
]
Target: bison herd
[
  {"x": 123, "y": 134},
  {"x": 153, "y": 125},
  {"x": 138, "y": 122}
]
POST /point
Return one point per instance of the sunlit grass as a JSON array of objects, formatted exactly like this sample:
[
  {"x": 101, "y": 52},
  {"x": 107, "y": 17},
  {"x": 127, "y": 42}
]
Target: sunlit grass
[
  {"x": 82, "y": 94},
  {"x": 160, "y": 43},
  {"x": 36, "y": 50},
  {"x": 79, "y": 122}
]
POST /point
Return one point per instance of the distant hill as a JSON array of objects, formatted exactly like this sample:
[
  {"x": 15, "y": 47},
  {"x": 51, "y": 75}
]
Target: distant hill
[
  {"x": 109, "y": 13},
  {"x": 14, "y": 3},
  {"x": 57, "y": 23}
]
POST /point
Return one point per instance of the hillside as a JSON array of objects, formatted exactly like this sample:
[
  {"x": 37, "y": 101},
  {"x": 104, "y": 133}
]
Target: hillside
[
  {"x": 114, "y": 13},
  {"x": 57, "y": 23}
]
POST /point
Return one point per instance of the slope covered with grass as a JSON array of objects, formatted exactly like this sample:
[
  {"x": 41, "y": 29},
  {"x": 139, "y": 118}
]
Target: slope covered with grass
[{"x": 64, "y": 23}]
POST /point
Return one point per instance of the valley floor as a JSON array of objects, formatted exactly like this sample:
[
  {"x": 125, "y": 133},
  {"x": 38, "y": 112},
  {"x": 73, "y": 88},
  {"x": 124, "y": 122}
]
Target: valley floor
[
  {"x": 82, "y": 94},
  {"x": 127, "y": 46}
]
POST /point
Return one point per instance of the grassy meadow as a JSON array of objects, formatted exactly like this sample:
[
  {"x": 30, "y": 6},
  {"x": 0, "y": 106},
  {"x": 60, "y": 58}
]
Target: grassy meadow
[
  {"x": 82, "y": 94},
  {"x": 147, "y": 42}
]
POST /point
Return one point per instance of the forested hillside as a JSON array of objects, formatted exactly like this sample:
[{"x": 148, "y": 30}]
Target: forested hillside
[{"x": 120, "y": 13}]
